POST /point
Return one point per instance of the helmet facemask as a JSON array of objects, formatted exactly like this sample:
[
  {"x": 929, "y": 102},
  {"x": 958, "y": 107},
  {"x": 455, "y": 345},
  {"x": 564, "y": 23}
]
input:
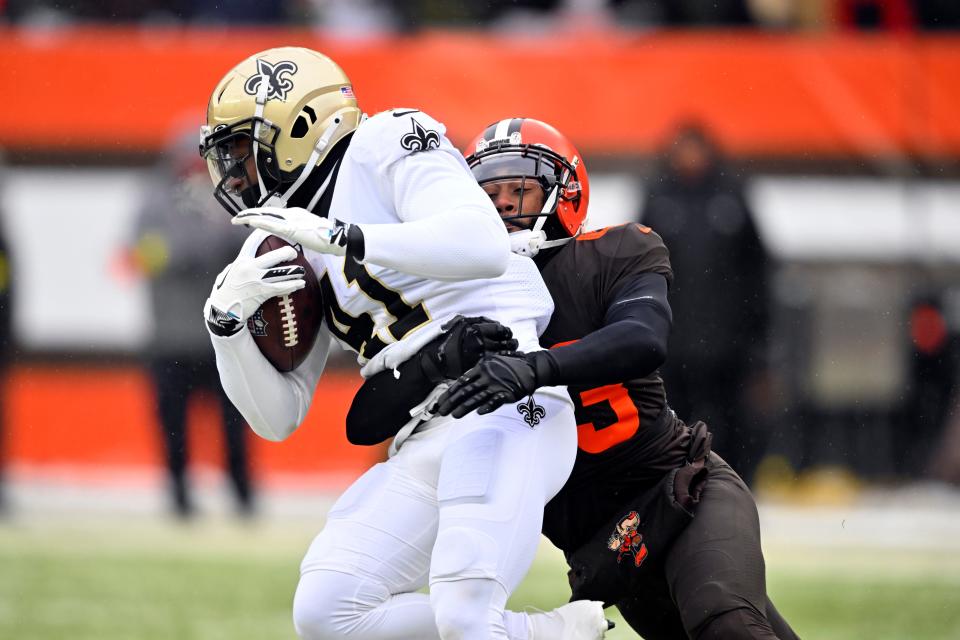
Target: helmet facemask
[
  {"x": 240, "y": 184},
  {"x": 527, "y": 196},
  {"x": 526, "y": 163}
]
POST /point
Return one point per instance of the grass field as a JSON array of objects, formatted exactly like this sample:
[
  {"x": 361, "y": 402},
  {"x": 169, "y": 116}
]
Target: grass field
[{"x": 143, "y": 578}]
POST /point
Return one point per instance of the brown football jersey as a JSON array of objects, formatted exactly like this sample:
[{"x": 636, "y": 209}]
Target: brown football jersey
[{"x": 627, "y": 435}]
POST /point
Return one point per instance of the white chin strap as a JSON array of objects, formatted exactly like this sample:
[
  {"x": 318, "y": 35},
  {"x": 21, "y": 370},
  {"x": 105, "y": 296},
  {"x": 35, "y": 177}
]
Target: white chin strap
[
  {"x": 318, "y": 150},
  {"x": 529, "y": 242},
  {"x": 261, "y": 100}
]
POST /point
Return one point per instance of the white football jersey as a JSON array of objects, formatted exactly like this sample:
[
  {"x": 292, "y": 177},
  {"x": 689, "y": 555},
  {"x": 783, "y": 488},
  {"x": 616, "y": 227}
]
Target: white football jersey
[
  {"x": 370, "y": 308},
  {"x": 398, "y": 168}
]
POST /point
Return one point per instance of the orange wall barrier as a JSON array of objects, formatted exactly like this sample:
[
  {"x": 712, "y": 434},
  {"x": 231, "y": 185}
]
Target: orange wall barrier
[
  {"x": 121, "y": 89},
  {"x": 104, "y": 417}
]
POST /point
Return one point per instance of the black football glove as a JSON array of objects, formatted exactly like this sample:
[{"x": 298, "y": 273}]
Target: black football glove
[
  {"x": 463, "y": 343},
  {"x": 495, "y": 381}
]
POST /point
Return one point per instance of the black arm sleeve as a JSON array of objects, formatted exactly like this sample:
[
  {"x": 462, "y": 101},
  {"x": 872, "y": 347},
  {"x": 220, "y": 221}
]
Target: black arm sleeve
[
  {"x": 382, "y": 405},
  {"x": 631, "y": 344}
]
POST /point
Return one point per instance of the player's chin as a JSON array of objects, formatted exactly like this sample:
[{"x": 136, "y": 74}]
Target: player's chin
[
  {"x": 249, "y": 195},
  {"x": 520, "y": 224}
]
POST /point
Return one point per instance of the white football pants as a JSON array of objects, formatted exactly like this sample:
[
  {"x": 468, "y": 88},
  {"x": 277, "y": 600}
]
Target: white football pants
[{"x": 460, "y": 507}]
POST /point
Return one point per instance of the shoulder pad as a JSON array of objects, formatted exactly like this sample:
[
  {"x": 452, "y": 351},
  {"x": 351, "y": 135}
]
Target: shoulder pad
[
  {"x": 632, "y": 243},
  {"x": 390, "y": 135},
  {"x": 633, "y": 236}
]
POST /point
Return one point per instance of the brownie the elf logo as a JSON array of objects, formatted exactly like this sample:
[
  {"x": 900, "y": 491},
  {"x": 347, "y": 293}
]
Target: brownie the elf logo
[{"x": 627, "y": 540}]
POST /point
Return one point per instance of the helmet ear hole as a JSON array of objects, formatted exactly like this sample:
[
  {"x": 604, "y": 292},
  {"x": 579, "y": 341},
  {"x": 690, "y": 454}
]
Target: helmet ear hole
[
  {"x": 304, "y": 121},
  {"x": 300, "y": 127}
]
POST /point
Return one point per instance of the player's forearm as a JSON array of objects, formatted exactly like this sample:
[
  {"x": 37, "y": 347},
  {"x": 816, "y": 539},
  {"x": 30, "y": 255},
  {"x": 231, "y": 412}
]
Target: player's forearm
[
  {"x": 462, "y": 244},
  {"x": 273, "y": 404},
  {"x": 630, "y": 348},
  {"x": 632, "y": 343}
]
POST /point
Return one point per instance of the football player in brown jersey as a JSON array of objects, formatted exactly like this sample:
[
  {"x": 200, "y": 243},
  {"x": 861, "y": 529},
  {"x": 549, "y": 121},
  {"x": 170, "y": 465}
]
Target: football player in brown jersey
[{"x": 651, "y": 520}]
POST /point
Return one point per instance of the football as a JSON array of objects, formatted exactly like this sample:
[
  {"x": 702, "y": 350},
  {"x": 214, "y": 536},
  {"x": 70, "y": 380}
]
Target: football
[{"x": 286, "y": 327}]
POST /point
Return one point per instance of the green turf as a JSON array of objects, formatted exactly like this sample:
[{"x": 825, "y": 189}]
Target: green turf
[{"x": 123, "y": 581}]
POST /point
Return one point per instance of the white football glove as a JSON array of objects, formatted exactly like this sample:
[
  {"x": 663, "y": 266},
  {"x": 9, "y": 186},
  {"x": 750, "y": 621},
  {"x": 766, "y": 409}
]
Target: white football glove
[
  {"x": 246, "y": 284},
  {"x": 299, "y": 226}
]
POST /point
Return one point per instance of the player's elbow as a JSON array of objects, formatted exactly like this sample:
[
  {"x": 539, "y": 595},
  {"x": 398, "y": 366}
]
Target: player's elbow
[
  {"x": 657, "y": 351},
  {"x": 644, "y": 355},
  {"x": 272, "y": 430},
  {"x": 641, "y": 341},
  {"x": 276, "y": 436},
  {"x": 359, "y": 430},
  {"x": 273, "y": 435},
  {"x": 362, "y": 438},
  {"x": 269, "y": 424},
  {"x": 368, "y": 423}
]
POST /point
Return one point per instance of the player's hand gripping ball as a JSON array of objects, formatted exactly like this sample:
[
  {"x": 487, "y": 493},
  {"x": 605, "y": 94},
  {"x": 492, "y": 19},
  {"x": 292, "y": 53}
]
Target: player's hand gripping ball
[{"x": 286, "y": 327}]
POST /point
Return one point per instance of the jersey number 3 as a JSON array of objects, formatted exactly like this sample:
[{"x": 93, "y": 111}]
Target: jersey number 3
[
  {"x": 606, "y": 416},
  {"x": 601, "y": 430}
]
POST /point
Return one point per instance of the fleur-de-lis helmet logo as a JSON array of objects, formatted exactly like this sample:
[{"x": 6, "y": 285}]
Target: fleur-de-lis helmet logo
[
  {"x": 532, "y": 412},
  {"x": 278, "y": 84},
  {"x": 420, "y": 139}
]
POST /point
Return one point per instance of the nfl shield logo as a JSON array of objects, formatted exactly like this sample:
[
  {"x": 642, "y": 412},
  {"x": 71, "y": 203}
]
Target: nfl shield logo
[{"x": 257, "y": 324}]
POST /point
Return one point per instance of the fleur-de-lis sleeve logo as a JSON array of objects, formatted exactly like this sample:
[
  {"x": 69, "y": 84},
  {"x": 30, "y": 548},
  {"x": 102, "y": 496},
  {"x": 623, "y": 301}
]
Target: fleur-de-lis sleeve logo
[
  {"x": 420, "y": 139},
  {"x": 278, "y": 85},
  {"x": 532, "y": 412}
]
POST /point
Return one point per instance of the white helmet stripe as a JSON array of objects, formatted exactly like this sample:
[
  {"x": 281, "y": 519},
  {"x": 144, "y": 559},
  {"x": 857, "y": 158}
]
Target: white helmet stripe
[
  {"x": 255, "y": 142},
  {"x": 502, "y": 130}
]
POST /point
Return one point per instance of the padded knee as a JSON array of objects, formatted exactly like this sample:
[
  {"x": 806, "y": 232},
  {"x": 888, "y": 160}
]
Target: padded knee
[
  {"x": 463, "y": 552},
  {"x": 313, "y": 608},
  {"x": 737, "y": 624},
  {"x": 330, "y": 604},
  {"x": 468, "y": 609}
]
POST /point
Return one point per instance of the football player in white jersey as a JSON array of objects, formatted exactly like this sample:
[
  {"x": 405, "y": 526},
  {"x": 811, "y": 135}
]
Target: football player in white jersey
[{"x": 402, "y": 239}]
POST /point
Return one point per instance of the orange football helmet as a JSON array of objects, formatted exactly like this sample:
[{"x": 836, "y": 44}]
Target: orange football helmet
[{"x": 524, "y": 148}]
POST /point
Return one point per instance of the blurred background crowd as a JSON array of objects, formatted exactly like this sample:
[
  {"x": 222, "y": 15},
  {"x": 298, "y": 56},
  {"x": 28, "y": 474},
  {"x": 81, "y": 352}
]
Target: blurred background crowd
[
  {"x": 363, "y": 17},
  {"x": 801, "y": 159}
]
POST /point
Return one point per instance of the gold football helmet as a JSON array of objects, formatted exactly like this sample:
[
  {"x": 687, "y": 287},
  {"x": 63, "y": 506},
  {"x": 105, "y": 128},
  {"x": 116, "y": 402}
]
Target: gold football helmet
[{"x": 272, "y": 122}]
